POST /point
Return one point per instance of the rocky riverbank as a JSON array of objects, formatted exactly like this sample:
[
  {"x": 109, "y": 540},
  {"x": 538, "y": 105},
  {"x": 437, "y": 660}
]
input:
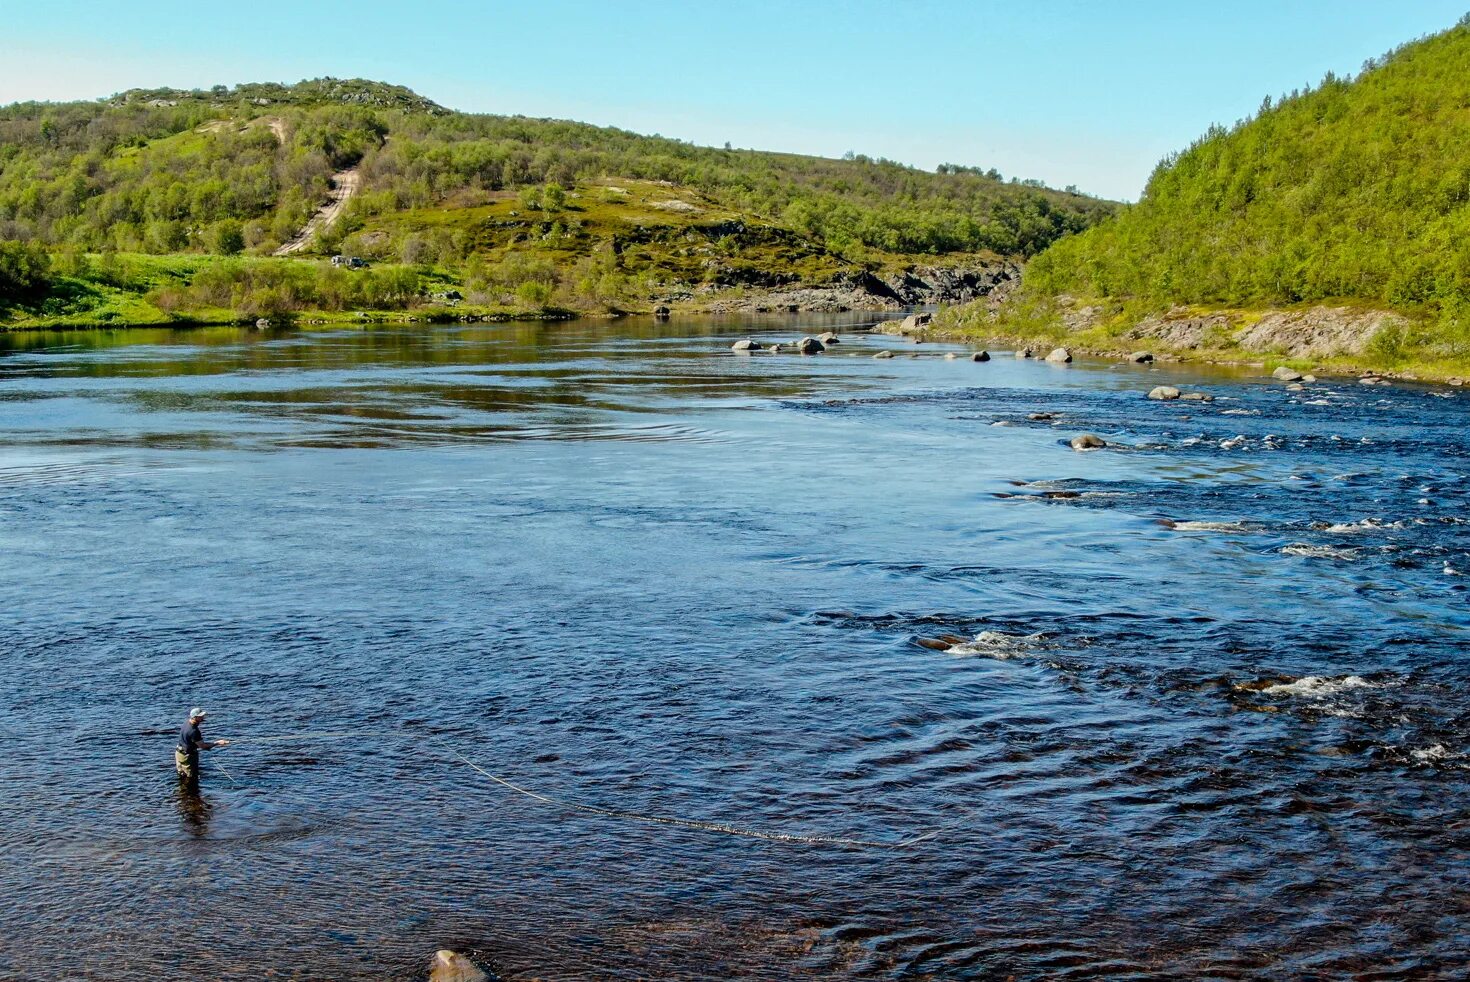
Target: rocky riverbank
[
  {"x": 1329, "y": 339},
  {"x": 913, "y": 286}
]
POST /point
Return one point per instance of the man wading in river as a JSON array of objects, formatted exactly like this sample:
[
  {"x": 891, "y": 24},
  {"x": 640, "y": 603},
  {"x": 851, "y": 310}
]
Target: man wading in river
[{"x": 186, "y": 754}]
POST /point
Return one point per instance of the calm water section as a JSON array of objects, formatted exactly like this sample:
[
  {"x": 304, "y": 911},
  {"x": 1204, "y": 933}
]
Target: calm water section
[{"x": 1205, "y": 709}]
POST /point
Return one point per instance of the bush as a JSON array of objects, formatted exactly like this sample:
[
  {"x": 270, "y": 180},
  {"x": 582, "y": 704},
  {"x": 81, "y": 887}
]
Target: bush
[{"x": 25, "y": 271}]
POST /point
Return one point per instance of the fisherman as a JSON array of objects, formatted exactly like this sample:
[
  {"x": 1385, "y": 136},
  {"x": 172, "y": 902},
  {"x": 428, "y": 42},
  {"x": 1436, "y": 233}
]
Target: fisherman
[{"x": 191, "y": 741}]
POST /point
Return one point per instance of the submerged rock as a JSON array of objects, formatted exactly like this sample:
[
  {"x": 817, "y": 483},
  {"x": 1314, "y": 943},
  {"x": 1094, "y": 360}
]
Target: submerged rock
[
  {"x": 451, "y": 966},
  {"x": 934, "y": 644},
  {"x": 1163, "y": 393},
  {"x": 950, "y": 356},
  {"x": 1197, "y": 397},
  {"x": 884, "y": 354},
  {"x": 746, "y": 345},
  {"x": 1060, "y": 356},
  {"x": 980, "y": 356},
  {"x": 1088, "y": 441}
]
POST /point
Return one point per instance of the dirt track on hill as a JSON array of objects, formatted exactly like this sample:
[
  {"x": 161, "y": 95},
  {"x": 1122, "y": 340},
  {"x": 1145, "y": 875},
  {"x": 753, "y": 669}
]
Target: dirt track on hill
[{"x": 344, "y": 185}]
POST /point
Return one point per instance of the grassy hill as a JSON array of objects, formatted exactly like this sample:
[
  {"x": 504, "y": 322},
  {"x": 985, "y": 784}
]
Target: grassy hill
[
  {"x": 1353, "y": 195},
  {"x": 517, "y": 211}
]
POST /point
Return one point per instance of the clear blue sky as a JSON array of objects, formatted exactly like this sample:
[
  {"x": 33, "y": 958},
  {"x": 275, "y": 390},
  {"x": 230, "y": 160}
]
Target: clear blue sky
[{"x": 1069, "y": 91}]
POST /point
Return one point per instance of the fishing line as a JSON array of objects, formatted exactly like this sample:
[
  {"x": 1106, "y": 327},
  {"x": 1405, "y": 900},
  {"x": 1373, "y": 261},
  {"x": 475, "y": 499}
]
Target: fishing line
[
  {"x": 689, "y": 823},
  {"x": 621, "y": 815}
]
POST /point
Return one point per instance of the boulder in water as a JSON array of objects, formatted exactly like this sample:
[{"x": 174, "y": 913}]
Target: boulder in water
[
  {"x": 980, "y": 356},
  {"x": 934, "y": 644},
  {"x": 451, "y": 966},
  {"x": 1025, "y": 353},
  {"x": 1141, "y": 358},
  {"x": 661, "y": 312},
  {"x": 1163, "y": 393},
  {"x": 746, "y": 345},
  {"x": 810, "y": 346},
  {"x": 1088, "y": 441},
  {"x": 829, "y": 338},
  {"x": 1287, "y": 374},
  {"x": 1060, "y": 356},
  {"x": 1197, "y": 397},
  {"x": 884, "y": 354}
]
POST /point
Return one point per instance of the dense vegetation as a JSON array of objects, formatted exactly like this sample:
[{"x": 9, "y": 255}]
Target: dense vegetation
[
  {"x": 1356, "y": 189},
  {"x": 225, "y": 170}
]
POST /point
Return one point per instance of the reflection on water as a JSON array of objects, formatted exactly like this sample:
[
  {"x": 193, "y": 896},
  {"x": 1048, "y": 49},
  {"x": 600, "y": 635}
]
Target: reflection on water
[{"x": 1193, "y": 705}]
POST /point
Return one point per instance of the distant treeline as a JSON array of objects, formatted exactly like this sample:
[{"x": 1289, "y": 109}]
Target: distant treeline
[{"x": 227, "y": 170}]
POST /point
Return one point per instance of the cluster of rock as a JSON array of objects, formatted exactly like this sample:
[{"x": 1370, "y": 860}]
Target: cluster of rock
[
  {"x": 806, "y": 346},
  {"x": 1168, "y": 393}
]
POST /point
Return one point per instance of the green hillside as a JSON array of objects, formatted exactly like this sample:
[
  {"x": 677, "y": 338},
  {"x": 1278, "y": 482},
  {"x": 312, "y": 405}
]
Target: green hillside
[
  {"x": 1354, "y": 192},
  {"x": 240, "y": 171}
]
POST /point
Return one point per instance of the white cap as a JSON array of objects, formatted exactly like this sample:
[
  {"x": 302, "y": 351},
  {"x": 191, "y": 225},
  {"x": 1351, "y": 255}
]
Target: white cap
[{"x": 196, "y": 713}]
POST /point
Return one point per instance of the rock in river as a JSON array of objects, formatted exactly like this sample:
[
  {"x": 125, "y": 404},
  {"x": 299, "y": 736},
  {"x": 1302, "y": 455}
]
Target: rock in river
[
  {"x": 884, "y": 354},
  {"x": 829, "y": 338},
  {"x": 980, "y": 356},
  {"x": 1060, "y": 356},
  {"x": 1025, "y": 353},
  {"x": 1141, "y": 358},
  {"x": 748, "y": 344},
  {"x": 1163, "y": 393},
  {"x": 1287, "y": 374},
  {"x": 451, "y": 966},
  {"x": 661, "y": 312},
  {"x": 1088, "y": 441},
  {"x": 810, "y": 346}
]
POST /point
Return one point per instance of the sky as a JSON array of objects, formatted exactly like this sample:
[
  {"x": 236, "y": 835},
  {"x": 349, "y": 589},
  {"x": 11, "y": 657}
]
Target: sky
[{"x": 1072, "y": 92}]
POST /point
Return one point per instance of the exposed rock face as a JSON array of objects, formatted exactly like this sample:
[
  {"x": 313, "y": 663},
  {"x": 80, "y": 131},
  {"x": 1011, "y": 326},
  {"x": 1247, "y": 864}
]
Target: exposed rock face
[
  {"x": 1060, "y": 356},
  {"x": 940, "y": 284},
  {"x": 1318, "y": 332},
  {"x": 746, "y": 345},
  {"x": 1163, "y": 393},
  {"x": 914, "y": 323},
  {"x": 451, "y": 966},
  {"x": 1088, "y": 441}
]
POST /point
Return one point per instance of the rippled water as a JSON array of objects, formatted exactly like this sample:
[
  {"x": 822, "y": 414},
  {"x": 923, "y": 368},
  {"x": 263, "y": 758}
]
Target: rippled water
[{"x": 1192, "y": 705}]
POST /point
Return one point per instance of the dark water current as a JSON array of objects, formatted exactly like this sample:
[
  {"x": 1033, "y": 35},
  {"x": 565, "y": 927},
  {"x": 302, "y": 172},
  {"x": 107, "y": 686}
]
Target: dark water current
[{"x": 615, "y": 563}]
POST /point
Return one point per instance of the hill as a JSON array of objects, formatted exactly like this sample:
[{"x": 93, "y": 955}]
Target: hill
[
  {"x": 1344, "y": 209},
  {"x": 239, "y": 172}
]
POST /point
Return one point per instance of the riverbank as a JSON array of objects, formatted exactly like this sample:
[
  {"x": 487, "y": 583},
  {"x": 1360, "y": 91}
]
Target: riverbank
[
  {"x": 122, "y": 290},
  {"x": 1338, "y": 339}
]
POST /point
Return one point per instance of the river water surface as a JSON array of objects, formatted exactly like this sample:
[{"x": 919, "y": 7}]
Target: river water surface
[{"x": 1204, "y": 709}]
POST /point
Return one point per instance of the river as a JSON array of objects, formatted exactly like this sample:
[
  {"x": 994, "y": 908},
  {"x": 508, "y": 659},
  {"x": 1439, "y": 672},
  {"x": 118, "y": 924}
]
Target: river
[{"x": 1204, "y": 710}]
